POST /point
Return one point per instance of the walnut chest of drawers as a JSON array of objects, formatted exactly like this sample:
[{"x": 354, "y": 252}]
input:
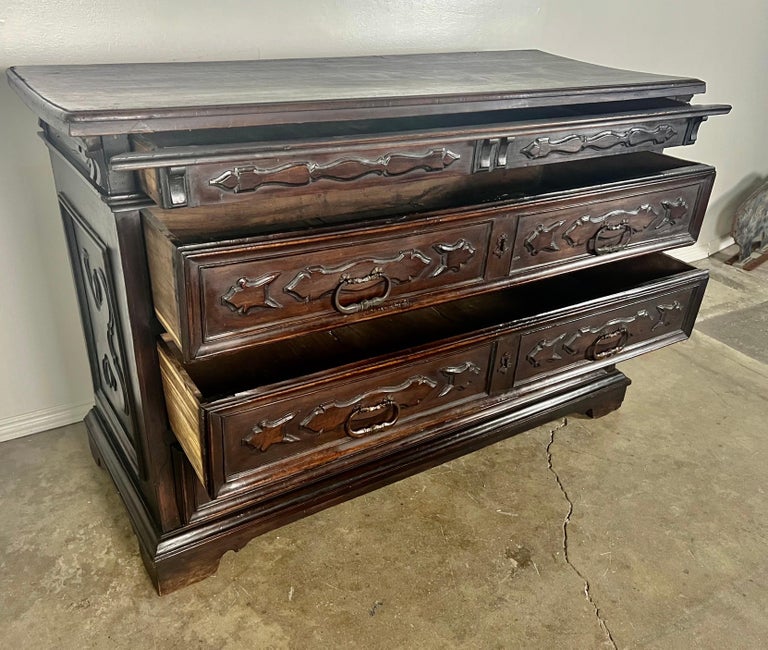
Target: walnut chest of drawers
[{"x": 303, "y": 279}]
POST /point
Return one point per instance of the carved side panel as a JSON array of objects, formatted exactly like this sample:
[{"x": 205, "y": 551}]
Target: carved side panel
[{"x": 101, "y": 322}]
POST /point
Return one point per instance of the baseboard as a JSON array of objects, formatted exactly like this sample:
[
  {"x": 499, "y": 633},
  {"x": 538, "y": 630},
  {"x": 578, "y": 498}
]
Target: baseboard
[
  {"x": 701, "y": 249},
  {"x": 42, "y": 420}
]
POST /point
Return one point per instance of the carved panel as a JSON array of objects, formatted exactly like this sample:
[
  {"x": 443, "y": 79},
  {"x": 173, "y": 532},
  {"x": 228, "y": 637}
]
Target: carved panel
[
  {"x": 602, "y": 340},
  {"x": 333, "y": 414},
  {"x": 364, "y": 413},
  {"x": 250, "y": 178},
  {"x": 605, "y": 233},
  {"x": 576, "y": 143},
  {"x": 101, "y": 323},
  {"x": 316, "y": 281},
  {"x": 572, "y": 344}
]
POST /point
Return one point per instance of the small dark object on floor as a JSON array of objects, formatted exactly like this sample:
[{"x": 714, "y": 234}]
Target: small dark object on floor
[{"x": 750, "y": 230}]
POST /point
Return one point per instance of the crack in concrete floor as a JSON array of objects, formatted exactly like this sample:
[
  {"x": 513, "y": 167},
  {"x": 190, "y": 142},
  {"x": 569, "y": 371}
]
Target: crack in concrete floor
[{"x": 587, "y": 593}]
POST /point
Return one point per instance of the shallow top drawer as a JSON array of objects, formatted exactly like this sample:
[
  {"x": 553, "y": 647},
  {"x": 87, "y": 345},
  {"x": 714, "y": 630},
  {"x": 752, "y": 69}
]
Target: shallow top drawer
[
  {"x": 219, "y": 295},
  {"x": 275, "y": 169}
]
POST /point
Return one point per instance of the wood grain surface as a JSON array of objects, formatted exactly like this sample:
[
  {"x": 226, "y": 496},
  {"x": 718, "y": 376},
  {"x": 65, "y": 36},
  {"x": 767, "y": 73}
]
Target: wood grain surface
[{"x": 101, "y": 99}]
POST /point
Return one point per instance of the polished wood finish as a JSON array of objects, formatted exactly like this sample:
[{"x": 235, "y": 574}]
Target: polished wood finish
[
  {"x": 226, "y": 294},
  {"x": 287, "y": 407},
  {"x": 148, "y": 97},
  {"x": 298, "y": 290}
]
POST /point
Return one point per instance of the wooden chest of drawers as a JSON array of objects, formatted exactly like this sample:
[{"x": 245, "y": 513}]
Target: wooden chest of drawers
[{"x": 301, "y": 280}]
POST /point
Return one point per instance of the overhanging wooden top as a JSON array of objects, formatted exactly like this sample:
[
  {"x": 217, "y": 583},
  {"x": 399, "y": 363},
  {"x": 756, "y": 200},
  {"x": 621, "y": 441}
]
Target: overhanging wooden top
[{"x": 150, "y": 97}]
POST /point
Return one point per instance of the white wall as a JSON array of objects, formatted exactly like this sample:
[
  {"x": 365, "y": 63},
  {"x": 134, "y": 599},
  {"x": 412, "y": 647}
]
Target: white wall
[{"x": 44, "y": 378}]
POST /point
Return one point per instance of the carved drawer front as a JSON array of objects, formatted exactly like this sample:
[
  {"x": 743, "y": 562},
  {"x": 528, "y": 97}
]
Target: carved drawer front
[
  {"x": 317, "y": 402},
  {"x": 607, "y": 336},
  {"x": 242, "y": 294},
  {"x": 649, "y": 215},
  {"x": 218, "y": 296},
  {"x": 269, "y": 166},
  {"x": 264, "y": 437}
]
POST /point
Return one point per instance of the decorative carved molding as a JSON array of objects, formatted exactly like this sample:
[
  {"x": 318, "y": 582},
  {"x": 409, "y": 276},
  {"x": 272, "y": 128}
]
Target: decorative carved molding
[
  {"x": 90, "y": 153},
  {"x": 250, "y": 178},
  {"x": 269, "y": 432},
  {"x": 108, "y": 357},
  {"x": 333, "y": 414},
  {"x": 665, "y": 311},
  {"x": 453, "y": 256},
  {"x": 613, "y": 335},
  {"x": 548, "y": 233},
  {"x": 246, "y": 295},
  {"x": 365, "y": 413},
  {"x": 492, "y": 153},
  {"x": 614, "y": 232},
  {"x": 637, "y": 220},
  {"x": 316, "y": 281},
  {"x": 575, "y": 143},
  {"x": 674, "y": 211},
  {"x": 464, "y": 371}
]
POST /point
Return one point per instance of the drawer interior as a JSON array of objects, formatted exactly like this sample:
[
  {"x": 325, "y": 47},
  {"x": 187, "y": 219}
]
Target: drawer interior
[
  {"x": 271, "y": 363},
  {"x": 510, "y": 186}
]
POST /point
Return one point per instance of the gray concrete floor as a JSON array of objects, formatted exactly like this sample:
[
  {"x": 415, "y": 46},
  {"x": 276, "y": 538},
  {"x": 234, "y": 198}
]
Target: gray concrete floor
[{"x": 669, "y": 527}]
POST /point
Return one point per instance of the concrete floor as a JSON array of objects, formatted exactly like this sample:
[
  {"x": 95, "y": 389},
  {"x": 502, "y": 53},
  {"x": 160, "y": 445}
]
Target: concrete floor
[{"x": 669, "y": 527}]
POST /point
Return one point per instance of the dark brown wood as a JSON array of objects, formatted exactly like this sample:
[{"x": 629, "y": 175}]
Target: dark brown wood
[
  {"x": 233, "y": 294},
  {"x": 305, "y": 403},
  {"x": 176, "y": 173},
  {"x": 107, "y": 99},
  {"x": 382, "y": 263}
]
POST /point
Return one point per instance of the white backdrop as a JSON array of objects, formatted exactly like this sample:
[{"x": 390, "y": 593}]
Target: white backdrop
[{"x": 44, "y": 377}]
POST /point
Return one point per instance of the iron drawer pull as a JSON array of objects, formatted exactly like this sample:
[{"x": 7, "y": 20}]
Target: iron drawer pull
[
  {"x": 623, "y": 336},
  {"x": 367, "y": 303},
  {"x": 624, "y": 231},
  {"x": 388, "y": 403}
]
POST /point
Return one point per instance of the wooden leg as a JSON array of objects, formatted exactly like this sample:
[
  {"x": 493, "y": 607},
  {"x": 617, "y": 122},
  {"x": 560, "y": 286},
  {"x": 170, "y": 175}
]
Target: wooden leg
[
  {"x": 605, "y": 403},
  {"x": 599, "y": 410}
]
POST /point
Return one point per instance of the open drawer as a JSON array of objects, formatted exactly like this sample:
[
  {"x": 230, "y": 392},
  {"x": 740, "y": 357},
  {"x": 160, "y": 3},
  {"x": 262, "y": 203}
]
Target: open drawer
[
  {"x": 214, "y": 296},
  {"x": 280, "y": 169},
  {"x": 254, "y": 419}
]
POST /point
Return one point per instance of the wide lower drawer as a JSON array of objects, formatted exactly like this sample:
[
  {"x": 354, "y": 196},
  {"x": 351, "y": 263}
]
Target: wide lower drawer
[
  {"x": 357, "y": 164},
  {"x": 261, "y": 416},
  {"x": 218, "y": 296}
]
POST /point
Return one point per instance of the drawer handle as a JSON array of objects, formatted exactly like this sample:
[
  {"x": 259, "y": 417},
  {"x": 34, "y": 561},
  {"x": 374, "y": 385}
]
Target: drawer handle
[
  {"x": 367, "y": 303},
  {"x": 619, "y": 235},
  {"x": 387, "y": 404},
  {"x": 616, "y": 342}
]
